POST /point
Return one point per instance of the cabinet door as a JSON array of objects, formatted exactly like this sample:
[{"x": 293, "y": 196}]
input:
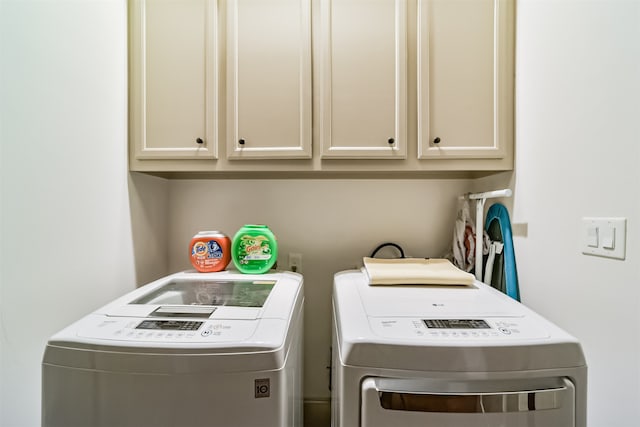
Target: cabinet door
[
  {"x": 465, "y": 78},
  {"x": 269, "y": 79},
  {"x": 363, "y": 82},
  {"x": 173, "y": 78}
]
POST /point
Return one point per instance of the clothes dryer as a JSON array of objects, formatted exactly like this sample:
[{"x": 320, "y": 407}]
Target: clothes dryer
[
  {"x": 190, "y": 349},
  {"x": 449, "y": 356}
]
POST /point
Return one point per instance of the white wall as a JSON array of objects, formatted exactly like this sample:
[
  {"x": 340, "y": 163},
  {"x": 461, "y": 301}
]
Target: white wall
[
  {"x": 577, "y": 155},
  {"x": 66, "y": 236}
]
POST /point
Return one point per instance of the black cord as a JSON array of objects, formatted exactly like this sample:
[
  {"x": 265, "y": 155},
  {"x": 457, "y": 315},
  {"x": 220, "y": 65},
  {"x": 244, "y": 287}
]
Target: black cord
[{"x": 375, "y": 251}]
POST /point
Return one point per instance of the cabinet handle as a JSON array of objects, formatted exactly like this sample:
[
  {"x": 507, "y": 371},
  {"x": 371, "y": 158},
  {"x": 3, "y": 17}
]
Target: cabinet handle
[
  {"x": 391, "y": 141},
  {"x": 437, "y": 140},
  {"x": 241, "y": 142},
  {"x": 199, "y": 141}
]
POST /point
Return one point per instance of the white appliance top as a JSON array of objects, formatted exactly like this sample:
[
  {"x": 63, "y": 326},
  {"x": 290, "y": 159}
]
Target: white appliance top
[
  {"x": 444, "y": 328},
  {"x": 189, "y": 313}
]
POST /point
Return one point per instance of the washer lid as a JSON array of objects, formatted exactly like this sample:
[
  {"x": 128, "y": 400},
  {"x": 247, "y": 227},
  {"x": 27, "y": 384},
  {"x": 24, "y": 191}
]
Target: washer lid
[
  {"x": 193, "y": 296},
  {"x": 172, "y": 325},
  {"x": 211, "y": 292},
  {"x": 226, "y": 306},
  {"x": 222, "y": 295}
]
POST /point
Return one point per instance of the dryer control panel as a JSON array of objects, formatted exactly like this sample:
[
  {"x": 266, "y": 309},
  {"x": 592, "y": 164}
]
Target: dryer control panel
[{"x": 457, "y": 329}]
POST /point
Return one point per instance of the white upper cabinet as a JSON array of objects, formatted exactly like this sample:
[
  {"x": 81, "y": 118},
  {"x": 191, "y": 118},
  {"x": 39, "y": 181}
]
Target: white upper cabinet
[
  {"x": 398, "y": 86},
  {"x": 269, "y": 79},
  {"x": 363, "y": 79},
  {"x": 173, "y": 79},
  {"x": 465, "y": 78}
]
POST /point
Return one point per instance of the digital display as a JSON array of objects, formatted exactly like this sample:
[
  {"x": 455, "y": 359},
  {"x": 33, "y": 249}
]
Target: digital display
[
  {"x": 456, "y": 324},
  {"x": 170, "y": 325}
]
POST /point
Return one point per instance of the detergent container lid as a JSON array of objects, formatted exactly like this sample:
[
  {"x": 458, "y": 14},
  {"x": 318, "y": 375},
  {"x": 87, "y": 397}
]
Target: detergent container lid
[{"x": 254, "y": 249}]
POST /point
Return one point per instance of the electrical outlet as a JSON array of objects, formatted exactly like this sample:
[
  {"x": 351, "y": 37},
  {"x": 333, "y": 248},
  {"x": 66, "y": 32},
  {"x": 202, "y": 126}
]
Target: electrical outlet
[{"x": 295, "y": 262}]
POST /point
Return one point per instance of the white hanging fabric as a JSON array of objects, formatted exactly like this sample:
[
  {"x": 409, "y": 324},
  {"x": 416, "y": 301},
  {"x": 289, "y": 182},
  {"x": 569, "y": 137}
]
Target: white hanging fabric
[{"x": 466, "y": 255}]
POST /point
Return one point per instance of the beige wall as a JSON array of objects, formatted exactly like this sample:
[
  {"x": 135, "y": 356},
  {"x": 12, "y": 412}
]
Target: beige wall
[
  {"x": 332, "y": 223},
  {"x": 149, "y": 201}
]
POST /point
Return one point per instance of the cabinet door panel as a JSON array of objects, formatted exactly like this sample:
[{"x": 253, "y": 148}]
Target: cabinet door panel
[
  {"x": 363, "y": 78},
  {"x": 464, "y": 78},
  {"x": 173, "y": 78},
  {"x": 269, "y": 79}
]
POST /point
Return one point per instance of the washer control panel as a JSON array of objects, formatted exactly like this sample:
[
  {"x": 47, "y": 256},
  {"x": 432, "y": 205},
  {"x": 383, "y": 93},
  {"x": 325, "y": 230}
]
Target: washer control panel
[
  {"x": 168, "y": 330},
  {"x": 457, "y": 329}
]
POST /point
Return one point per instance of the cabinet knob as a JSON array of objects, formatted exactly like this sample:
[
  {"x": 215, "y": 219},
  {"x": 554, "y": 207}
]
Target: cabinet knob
[
  {"x": 199, "y": 141},
  {"x": 437, "y": 140},
  {"x": 241, "y": 142},
  {"x": 391, "y": 141}
]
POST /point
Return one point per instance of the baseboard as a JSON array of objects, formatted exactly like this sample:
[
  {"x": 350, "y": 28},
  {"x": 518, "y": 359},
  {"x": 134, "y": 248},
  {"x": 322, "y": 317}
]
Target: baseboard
[{"x": 317, "y": 413}]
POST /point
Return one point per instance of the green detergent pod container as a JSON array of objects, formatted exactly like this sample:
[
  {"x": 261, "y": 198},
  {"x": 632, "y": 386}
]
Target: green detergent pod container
[{"x": 254, "y": 249}]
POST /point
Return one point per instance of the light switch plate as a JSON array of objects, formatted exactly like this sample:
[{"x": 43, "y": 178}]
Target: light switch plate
[{"x": 610, "y": 240}]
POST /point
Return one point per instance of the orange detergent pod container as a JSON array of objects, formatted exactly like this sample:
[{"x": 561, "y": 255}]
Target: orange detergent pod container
[{"x": 210, "y": 251}]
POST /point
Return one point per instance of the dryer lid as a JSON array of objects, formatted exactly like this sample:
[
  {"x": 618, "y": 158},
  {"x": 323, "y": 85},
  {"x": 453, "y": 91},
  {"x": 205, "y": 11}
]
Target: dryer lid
[{"x": 429, "y": 300}]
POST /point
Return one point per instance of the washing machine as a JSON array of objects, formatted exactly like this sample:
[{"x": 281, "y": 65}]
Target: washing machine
[
  {"x": 449, "y": 356},
  {"x": 190, "y": 349}
]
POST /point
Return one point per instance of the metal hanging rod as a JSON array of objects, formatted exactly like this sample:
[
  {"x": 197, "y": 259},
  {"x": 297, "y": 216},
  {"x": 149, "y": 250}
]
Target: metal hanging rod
[{"x": 488, "y": 194}]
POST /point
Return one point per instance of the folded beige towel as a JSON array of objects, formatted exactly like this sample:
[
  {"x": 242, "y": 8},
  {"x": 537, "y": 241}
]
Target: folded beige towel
[{"x": 415, "y": 271}]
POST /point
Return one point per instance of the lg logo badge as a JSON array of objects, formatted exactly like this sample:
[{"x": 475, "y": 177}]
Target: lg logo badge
[{"x": 262, "y": 387}]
